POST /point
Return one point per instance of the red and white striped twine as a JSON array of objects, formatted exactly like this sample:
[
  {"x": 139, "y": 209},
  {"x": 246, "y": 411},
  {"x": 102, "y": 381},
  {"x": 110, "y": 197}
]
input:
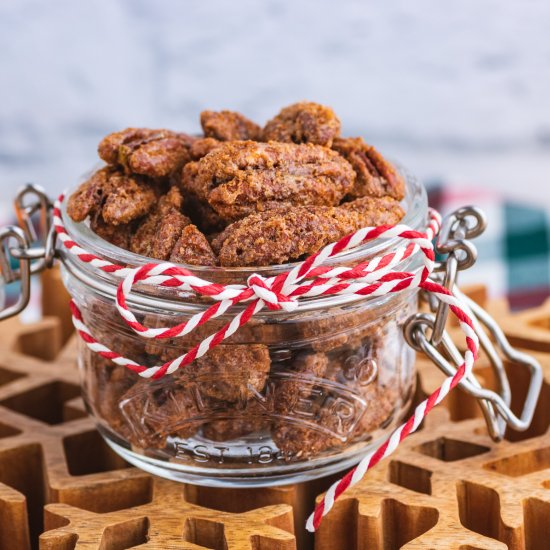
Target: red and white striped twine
[{"x": 310, "y": 278}]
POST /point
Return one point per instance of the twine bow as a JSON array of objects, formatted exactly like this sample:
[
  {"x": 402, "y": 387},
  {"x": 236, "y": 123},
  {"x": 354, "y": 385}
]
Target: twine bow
[{"x": 310, "y": 278}]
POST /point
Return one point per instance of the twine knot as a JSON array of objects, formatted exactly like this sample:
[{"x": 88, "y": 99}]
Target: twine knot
[{"x": 263, "y": 289}]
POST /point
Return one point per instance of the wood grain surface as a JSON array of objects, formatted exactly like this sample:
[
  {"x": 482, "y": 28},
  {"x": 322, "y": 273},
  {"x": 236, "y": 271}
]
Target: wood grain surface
[{"x": 448, "y": 486}]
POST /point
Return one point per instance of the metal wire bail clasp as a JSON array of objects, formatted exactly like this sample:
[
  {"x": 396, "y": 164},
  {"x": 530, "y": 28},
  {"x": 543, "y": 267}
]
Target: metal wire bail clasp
[
  {"x": 30, "y": 246},
  {"x": 426, "y": 332}
]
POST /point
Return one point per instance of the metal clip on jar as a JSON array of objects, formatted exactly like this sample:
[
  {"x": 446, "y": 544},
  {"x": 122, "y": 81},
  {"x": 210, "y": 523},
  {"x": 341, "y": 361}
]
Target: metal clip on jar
[{"x": 290, "y": 395}]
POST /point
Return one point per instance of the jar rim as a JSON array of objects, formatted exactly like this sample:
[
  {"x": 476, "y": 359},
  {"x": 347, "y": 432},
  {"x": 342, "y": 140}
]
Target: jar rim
[{"x": 415, "y": 205}]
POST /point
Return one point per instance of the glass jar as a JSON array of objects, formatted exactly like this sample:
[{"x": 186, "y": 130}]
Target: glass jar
[{"x": 289, "y": 396}]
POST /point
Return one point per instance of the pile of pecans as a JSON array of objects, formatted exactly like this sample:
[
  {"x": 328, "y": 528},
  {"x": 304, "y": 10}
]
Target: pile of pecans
[{"x": 240, "y": 195}]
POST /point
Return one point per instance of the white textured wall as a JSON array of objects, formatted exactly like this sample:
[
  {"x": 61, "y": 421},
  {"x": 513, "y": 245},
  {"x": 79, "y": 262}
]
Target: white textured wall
[{"x": 454, "y": 88}]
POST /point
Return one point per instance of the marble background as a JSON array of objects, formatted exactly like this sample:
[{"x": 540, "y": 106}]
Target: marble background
[{"x": 458, "y": 90}]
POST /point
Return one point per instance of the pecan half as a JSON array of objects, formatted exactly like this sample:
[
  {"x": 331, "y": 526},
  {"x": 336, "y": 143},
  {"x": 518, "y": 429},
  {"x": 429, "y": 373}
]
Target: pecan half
[
  {"x": 128, "y": 200},
  {"x": 270, "y": 238},
  {"x": 376, "y": 177},
  {"x": 193, "y": 248},
  {"x": 154, "y": 153},
  {"x": 118, "y": 197},
  {"x": 303, "y": 122},
  {"x": 242, "y": 177},
  {"x": 158, "y": 233},
  {"x": 88, "y": 198}
]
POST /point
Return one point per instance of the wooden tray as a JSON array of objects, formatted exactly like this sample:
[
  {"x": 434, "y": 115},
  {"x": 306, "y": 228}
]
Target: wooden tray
[{"x": 448, "y": 486}]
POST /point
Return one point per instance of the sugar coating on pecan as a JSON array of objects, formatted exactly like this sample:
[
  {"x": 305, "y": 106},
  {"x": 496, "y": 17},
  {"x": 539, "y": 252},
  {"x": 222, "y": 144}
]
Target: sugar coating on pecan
[
  {"x": 303, "y": 122},
  {"x": 376, "y": 177},
  {"x": 229, "y": 126},
  {"x": 277, "y": 237},
  {"x": 158, "y": 233},
  {"x": 243, "y": 177},
  {"x": 193, "y": 248},
  {"x": 118, "y": 197},
  {"x": 154, "y": 153},
  {"x": 128, "y": 200}
]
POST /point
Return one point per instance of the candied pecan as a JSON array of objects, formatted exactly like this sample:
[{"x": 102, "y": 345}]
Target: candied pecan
[
  {"x": 376, "y": 177},
  {"x": 356, "y": 369},
  {"x": 290, "y": 387},
  {"x": 242, "y": 177},
  {"x": 119, "y": 198},
  {"x": 156, "y": 410},
  {"x": 162, "y": 348},
  {"x": 271, "y": 238},
  {"x": 202, "y": 214},
  {"x": 303, "y": 122},
  {"x": 193, "y": 248},
  {"x": 90, "y": 195},
  {"x": 229, "y": 126},
  {"x": 111, "y": 330},
  {"x": 232, "y": 372},
  {"x": 160, "y": 230},
  {"x": 342, "y": 329},
  {"x": 326, "y": 332},
  {"x": 298, "y": 381},
  {"x": 154, "y": 153},
  {"x": 128, "y": 200},
  {"x": 202, "y": 146}
]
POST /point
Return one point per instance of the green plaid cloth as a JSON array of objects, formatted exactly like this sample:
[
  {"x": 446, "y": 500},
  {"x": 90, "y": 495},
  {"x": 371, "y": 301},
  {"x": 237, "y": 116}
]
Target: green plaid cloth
[{"x": 514, "y": 251}]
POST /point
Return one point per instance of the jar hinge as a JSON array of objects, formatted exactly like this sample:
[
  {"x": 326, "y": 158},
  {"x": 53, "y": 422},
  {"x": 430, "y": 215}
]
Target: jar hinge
[
  {"x": 22, "y": 245},
  {"x": 426, "y": 332}
]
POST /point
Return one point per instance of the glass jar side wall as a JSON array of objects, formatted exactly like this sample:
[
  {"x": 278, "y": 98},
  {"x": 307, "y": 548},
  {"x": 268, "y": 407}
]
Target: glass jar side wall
[{"x": 280, "y": 398}]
